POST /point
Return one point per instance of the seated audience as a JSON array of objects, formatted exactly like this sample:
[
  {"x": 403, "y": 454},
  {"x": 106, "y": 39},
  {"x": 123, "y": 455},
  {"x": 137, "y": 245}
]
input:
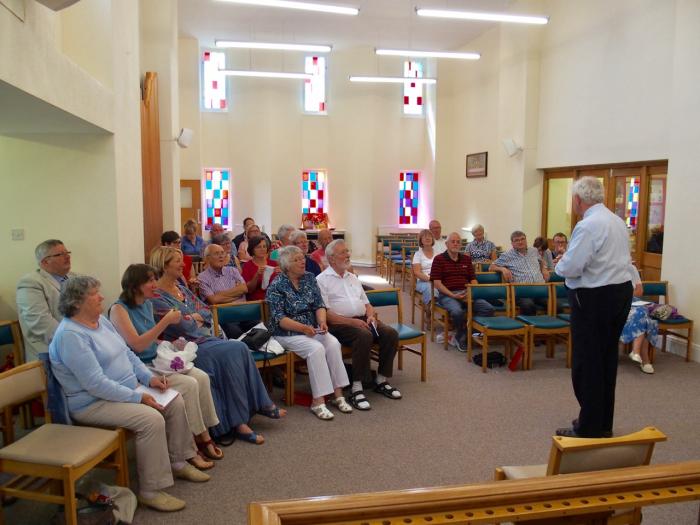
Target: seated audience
[
  {"x": 481, "y": 250},
  {"x": 241, "y": 236},
  {"x": 641, "y": 330},
  {"x": 298, "y": 238},
  {"x": 236, "y": 385},
  {"x": 436, "y": 229},
  {"x": 351, "y": 320},
  {"x": 521, "y": 264},
  {"x": 227, "y": 245},
  {"x": 254, "y": 270},
  {"x": 38, "y": 296},
  {"x": 422, "y": 261},
  {"x": 171, "y": 238},
  {"x": 191, "y": 243},
  {"x": 451, "y": 272},
  {"x": 560, "y": 243},
  {"x": 540, "y": 243},
  {"x": 325, "y": 236},
  {"x": 99, "y": 375},
  {"x": 298, "y": 322},
  {"x": 253, "y": 230},
  {"x": 215, "y": 230},
  {"x": 283, "y": 234},
  {"x": 132, "y": 316}
]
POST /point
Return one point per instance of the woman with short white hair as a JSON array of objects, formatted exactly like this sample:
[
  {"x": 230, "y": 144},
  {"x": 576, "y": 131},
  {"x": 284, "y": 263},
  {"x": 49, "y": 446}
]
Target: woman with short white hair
[
  {"x": 298, "y": 322},
  {"x": 481, "y": 250},
  {"x": 299, "y": 239}
]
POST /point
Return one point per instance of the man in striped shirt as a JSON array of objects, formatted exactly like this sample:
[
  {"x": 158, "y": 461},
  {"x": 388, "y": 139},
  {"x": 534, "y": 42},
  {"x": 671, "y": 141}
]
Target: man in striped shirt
[{"x": 451, "y": 272}]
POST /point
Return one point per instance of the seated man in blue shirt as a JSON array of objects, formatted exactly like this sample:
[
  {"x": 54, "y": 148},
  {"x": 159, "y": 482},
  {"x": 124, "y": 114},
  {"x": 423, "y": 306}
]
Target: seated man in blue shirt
[{"x": 522, "y": 265}]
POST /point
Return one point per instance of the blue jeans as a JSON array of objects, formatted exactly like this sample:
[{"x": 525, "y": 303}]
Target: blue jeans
[
  {"x": 424, "y": 288},
  {"x": 458, "y": 312}
]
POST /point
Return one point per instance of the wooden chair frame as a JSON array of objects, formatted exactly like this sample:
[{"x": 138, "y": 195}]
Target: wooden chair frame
[
  {"x": 444, "y": 319},
  {"x": 11, "y": 334},
  {"x": 417, "y": 302},
  {"x": 374, "y": 294},
  {"x": 36, "y": 481},
  {"x": 518, "y": 336},
  {"x": 553, "y": 335},
  {"x": 666, "y": 328},
  {"x": 285, "y": 360}
]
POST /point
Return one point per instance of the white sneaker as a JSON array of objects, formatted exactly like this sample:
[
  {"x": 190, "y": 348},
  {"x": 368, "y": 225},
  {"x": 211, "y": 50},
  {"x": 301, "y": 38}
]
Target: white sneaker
[
  {"x": 440, "y": 338},
  {"x": 647, "y": 369},
  {"x": 634, "y": 356}
]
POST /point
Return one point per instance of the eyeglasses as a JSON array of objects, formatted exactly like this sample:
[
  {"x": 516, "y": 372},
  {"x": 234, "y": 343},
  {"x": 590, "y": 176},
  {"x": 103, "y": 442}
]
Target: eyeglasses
[{"x": 62, "y": 254}]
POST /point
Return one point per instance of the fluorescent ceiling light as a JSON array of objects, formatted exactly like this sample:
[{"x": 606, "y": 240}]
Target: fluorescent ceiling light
[
  {"x": 428, "y": 54},
  {"x": 393, "y": 80},
  {"x": 271, "y": 46},
  {"x": 264, "y": 74},
  {"x": 487, "y": 17},
  {"x": 305, "y": 6}
]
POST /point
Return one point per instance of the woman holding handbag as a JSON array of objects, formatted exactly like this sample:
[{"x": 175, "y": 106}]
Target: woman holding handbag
[{"x": 132, "y": 316}]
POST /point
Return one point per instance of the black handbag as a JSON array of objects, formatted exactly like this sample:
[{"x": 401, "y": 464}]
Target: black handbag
[{"x": 256, "y": 338}]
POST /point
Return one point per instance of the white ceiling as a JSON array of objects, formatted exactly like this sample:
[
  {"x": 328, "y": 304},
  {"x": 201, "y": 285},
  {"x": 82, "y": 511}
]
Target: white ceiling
[{"x": 381, "y": 23}]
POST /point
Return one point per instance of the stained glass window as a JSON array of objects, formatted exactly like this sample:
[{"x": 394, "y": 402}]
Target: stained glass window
[
  {"x": 314, "y": 197},
  {"x": 213, "y": 82},
  {"x": 315, "y": 88},
  {"x": 412, "y": 91},
  {"x": 217, "y": 202},
  {"x": 408, "y": 197}
]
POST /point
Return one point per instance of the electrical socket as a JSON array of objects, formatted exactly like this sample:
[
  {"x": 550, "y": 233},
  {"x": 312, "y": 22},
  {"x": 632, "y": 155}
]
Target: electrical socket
[{"x": 17, "y": 235}]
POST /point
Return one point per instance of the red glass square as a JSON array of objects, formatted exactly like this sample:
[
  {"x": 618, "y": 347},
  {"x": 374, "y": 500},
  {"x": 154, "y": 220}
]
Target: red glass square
[
  {"x": 214, "y": 84},
  {"x": 225, "y": 196},
  {"x": 420, "y": 101},
  {"x": 222, "y": 104},
  {"x": 312, "y": 203},
  {"x": 217, "y": 212},
  {"x": 312, "y": 185},
  {"x": 413, "y": 84},
  {"x": 320, "y": 194},
  {"x": 405, "y": 100},
  {"x": 305, "y": 176}
]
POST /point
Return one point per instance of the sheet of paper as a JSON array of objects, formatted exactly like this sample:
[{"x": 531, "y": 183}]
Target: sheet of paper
[
  {"x": 162, "y": 398},
  {"x": 266, "y": 277},
  {"x": 639, "y": 302}
]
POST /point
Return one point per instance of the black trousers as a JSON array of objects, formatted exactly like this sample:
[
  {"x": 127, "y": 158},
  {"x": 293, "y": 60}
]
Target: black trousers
[
  {"x": 360, "y": 340},
  {"x": 597, "y": 318}
]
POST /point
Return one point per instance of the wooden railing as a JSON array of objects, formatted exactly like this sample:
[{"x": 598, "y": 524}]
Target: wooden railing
[{"x": 590, "y": 496}]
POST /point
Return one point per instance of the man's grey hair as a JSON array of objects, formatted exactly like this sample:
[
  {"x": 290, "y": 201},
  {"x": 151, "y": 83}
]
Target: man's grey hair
[
  {"x": 589, "y": 189},
  {"x": 477, "y": 227},
  {"x": 285, "y": 230},
  {"x": 41, "y": 251},
  {"x": 516, "y": 234},
  {"x": 74, "y": 292},
  {"x": 219, "y": 240},
  {"x": 331, "y": 247},
  {"x": 296, "y": 234},
  {"x": 286, "y": 254},
  {"x": 456, "y": 234},
  {"x": 210, "y": 248}
]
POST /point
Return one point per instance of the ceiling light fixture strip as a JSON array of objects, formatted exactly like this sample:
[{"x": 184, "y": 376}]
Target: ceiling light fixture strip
[
  {"x": 229, "y": 44},
  {"x": 428, "y": 54},
  {"x": 392, "y": 80},
  {"x": 482, "y": 16},
  {"x": 304, "y": 6},
  {"x": 264, "y": 74}
]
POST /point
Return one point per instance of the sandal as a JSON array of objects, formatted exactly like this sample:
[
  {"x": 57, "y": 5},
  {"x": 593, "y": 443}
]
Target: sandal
[
  {"x": 225, "y": 440},
  {"x": 200, "y": 462},
  {"x": 273, "y": 412},
  {"x": 204, "y": 449},
  {"x": 250, "y": 437},
  {"x": 359, "y": 401},
  {"x": 322, "y": 412},
  {"x": 342, "y": 405},
  {"x": 388, "y": 391}
]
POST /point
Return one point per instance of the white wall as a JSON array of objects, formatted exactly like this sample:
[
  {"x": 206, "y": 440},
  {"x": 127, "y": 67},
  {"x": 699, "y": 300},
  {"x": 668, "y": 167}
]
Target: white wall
[{"x": 267, "y": 141}]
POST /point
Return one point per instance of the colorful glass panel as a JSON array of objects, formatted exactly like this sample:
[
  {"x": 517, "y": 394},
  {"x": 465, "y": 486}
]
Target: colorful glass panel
[
  {"x": 313, "y": 191},
  {"x": 409, "y": 185},
  {"x": 213, "y": 81},
  {"x": 412, "y": 91},
  {"x": 315, "y": 88},
  {"x": 217, "y": 204}
]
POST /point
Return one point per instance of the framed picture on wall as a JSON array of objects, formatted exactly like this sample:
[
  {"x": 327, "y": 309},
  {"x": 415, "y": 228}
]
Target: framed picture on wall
[{"x": 477, "y": 164}]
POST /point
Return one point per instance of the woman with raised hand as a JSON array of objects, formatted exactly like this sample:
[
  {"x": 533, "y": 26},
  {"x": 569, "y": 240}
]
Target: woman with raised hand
[{"x": 236, "y": 385}]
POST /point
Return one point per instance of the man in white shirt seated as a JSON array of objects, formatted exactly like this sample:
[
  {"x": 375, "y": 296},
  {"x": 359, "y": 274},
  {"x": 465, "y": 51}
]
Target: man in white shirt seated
[
  {"x": 37, "y": 297},
  {"x": 352, "y": 321},
  {"x": 436, "y": 229}
]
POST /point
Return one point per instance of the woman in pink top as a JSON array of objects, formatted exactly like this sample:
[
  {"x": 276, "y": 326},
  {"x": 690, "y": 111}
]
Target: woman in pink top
[{"x": 254, "y": 269}]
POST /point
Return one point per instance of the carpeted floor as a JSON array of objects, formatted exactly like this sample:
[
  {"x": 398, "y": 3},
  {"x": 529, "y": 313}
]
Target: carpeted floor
[{"x": 453, "y": 429}]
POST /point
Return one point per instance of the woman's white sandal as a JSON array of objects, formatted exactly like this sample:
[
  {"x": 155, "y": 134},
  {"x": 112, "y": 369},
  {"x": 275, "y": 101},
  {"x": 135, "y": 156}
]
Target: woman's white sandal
[
  {"x": 342, "y": 405},
  {"x": 322, "y": 412}
]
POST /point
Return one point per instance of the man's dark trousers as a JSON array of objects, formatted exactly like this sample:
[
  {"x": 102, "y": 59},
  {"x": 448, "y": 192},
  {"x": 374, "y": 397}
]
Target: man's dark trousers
[
  {"x": 360, "y": 340},
  {"x": 597, "y": 318}
]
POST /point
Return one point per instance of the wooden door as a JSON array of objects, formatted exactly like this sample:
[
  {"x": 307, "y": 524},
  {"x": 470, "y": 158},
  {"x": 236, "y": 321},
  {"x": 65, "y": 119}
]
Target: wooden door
[
  {"x": 150, "y": 165},
  {"x": 652, "y": 229},
  {"x": 191, "y": 203}
]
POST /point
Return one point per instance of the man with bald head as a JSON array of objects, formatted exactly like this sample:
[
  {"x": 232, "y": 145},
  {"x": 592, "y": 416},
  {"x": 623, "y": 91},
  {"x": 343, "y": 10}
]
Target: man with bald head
[
  {"x": 436, "y": 229},
  {"x": 451, "y": 272},
  {"x": 37, "y": 297},
  {"x": 319, "y": 255}
]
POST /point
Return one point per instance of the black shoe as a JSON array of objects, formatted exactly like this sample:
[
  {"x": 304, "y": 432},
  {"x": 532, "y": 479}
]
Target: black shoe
[
  {"x": 567, "y": 432},
  {"x": 605, "y": 433}
]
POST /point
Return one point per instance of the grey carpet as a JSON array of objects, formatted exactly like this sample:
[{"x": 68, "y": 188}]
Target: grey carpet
[{"x": 453, "y": 429}]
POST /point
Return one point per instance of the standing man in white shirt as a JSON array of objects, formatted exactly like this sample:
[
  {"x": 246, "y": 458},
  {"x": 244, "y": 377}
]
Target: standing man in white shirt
[
  {"x": 598, "y": 272},
  {"x": 37, "y": 297},
  {"x": 352, "y": 321},
  {"x": 436, "y": 229}
]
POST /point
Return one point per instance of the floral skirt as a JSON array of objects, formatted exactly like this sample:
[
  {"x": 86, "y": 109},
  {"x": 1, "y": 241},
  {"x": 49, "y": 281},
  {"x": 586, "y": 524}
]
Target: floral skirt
[{"x": 640, "y": 322}]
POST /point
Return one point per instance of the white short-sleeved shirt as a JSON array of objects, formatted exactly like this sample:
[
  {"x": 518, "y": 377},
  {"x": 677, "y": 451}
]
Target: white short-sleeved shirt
[
  {"x": 439, "y": 246},
  {"x": 342, "y": 295},
  {"x": 425, "y": 263}
]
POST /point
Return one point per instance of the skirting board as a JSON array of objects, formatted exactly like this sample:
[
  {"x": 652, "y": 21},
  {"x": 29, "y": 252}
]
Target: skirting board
[{"x": 677, "y": 346}]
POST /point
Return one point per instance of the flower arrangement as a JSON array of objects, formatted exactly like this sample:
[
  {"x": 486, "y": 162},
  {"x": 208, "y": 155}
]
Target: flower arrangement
[{"x": 315, "y": 221}]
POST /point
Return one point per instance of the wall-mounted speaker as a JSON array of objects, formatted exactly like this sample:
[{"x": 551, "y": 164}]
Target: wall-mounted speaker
[
  {"x": 511, "y": 147},
  {"x": 184, "y": 139},
  {"x": 57, "y": 5}
]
